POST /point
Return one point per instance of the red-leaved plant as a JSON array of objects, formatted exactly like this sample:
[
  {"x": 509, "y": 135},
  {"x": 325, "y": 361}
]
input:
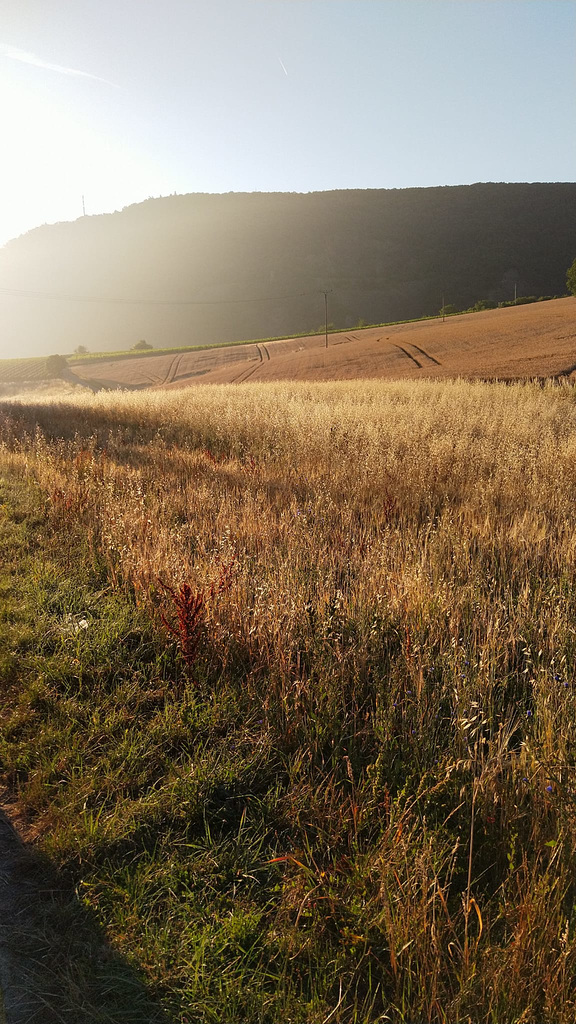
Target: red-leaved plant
[{"x": 190, "y": 607}]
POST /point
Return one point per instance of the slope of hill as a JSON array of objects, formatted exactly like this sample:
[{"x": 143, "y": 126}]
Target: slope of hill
[
  {"x": 216, "y": 268},
  {"x": 535, "y": 340}
]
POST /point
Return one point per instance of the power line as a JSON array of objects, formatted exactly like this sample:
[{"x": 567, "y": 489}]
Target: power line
[{"x": 16, "y": 292}]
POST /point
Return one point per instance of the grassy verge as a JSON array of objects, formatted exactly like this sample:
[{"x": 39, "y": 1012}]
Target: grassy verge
[
  {"x": 55, "y": 962},
  {"x": 289, "y": 693}
]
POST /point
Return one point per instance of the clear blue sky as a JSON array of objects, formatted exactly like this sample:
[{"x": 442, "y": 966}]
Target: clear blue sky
[{"x": 124, "y": 99}]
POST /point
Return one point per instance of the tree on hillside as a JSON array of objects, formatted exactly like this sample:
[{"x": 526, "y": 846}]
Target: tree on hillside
[
  {"x": 55, "y": 365},
  {"x": 141, "y": 346},
  {"x": 571, "y": 278}
]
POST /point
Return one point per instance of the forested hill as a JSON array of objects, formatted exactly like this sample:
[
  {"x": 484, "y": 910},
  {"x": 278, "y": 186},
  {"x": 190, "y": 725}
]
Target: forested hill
[{"x": 255, "y": 264}]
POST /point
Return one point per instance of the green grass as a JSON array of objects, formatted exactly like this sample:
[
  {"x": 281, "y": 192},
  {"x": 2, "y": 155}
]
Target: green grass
[{"x": 61, "y": 966}]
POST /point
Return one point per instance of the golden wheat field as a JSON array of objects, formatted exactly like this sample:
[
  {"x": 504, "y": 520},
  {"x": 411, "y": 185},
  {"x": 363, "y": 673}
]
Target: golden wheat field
[
  {"x": 385, "y": 577},
  {"x": 535, "y": 340},
  {"x": 395, "y": 484}
]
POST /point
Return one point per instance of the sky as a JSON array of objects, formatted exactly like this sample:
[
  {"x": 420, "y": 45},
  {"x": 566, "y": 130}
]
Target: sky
[{"x": 119, "y": 100}]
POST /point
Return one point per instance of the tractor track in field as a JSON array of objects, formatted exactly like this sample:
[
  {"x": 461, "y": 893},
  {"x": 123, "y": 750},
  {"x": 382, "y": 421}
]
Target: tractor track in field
[
  {"x": 173, "y": 369},
  {"x": 341, "y": 340},
  {"x": 532, "y": 341},
  {"x": 409, "y": 355},
  {"x": 245, "y": 374},
  {"x": 425, "y": 354},
  {"x": 421, "y": 353}
]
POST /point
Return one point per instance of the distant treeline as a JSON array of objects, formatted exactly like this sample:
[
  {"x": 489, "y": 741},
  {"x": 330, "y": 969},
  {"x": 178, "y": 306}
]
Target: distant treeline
[{"x": 201, "y": 269}]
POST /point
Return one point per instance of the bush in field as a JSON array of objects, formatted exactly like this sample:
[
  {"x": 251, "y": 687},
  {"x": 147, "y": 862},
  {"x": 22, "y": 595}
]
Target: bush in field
[
  {"x": 483, "y": 304},
  {"x": 524, "y": 300},
  {"x": 141, "y": 346},
  {"x": 55, "y": 365}
]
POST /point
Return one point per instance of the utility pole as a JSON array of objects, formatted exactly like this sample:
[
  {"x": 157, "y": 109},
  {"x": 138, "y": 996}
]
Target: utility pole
[
  {"x": 83, "y": 207},
  {"x": 443, "y": 308},
  {"x": 325, "y": 293},
  {"x": 515, "y": 290}
]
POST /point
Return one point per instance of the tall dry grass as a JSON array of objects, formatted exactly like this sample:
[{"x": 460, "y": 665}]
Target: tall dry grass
[{"x": 400, "y": 608}]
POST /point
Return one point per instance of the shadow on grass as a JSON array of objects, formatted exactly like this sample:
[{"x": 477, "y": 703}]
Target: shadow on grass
[{"x": 56, "y": 966}]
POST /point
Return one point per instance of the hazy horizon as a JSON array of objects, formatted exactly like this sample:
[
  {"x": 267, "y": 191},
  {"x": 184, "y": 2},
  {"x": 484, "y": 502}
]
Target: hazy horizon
[
  {"x": 124, "y": 102},
  {"x": 213, "y": 268}
]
